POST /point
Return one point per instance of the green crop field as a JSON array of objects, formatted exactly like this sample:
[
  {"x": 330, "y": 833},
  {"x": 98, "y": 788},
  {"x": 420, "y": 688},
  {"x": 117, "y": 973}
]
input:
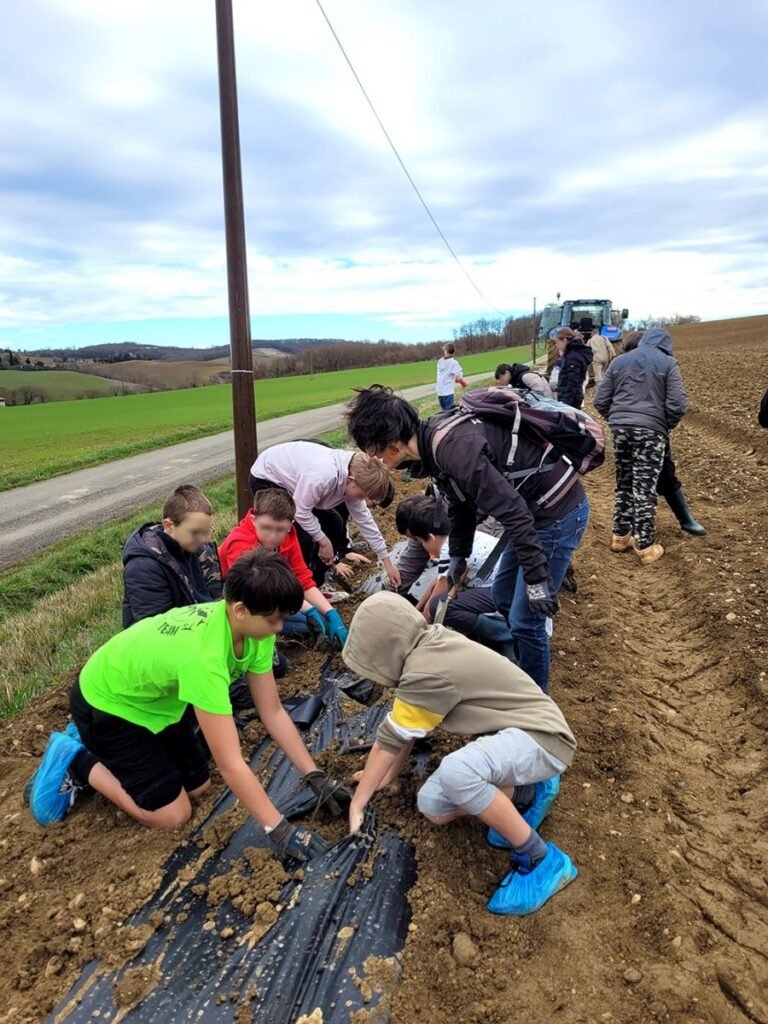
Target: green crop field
[
  {"x": 41, "y": 441},
  {"x": 57, "y": 385}
]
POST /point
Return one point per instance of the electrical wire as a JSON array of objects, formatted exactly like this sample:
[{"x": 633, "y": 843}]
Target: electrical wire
[{"x": 400, "y": 160}]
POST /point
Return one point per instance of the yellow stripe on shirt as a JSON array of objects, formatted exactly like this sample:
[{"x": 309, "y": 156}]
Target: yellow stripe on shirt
[{"x": 412, "y": 718}]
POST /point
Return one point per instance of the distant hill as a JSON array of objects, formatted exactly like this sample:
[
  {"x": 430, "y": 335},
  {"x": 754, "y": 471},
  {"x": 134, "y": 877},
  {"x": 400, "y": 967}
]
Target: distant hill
[
  {"x": 28, "y": 387},
  {"x": 122, "y": 351}
]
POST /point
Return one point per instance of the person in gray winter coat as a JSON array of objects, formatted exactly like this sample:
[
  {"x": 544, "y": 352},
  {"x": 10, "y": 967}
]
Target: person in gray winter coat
[
  {"x": 669, "y": 486},
  {"x": 643, "y": 398}
]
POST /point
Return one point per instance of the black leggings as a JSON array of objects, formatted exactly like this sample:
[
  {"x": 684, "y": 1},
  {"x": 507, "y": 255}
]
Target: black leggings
[
  {"x": 668, "y": 480},
  {"x": 333, "y": 522}
]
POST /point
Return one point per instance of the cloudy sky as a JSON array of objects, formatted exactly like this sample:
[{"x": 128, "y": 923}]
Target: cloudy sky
[{"x": 593, "y": 148}]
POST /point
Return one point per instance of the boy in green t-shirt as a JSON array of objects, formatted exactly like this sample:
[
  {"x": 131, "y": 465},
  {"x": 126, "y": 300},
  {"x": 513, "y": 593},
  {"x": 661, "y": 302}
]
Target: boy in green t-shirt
[{"x": 137, "y": 698}]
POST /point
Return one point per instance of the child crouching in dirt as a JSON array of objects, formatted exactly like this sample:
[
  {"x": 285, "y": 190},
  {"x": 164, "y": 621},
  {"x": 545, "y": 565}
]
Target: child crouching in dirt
[
  {"x": 137, "y": 698},
  {"x": 508, "y": 777},
  {"x": 270, "y": 525}
]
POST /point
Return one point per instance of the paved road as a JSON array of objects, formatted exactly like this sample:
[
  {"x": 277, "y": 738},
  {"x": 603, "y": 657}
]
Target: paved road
[{"x": 35, "y": 516}]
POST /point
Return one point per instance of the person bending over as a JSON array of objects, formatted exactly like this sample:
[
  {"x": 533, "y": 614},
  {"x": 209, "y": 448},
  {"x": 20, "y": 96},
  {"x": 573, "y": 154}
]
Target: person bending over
[
  {"x": 328, "y": 486},
  {"x": 508, "y": 777},
  {"x": 469, "y": 465},
  {"x": 137, "y": 698}
]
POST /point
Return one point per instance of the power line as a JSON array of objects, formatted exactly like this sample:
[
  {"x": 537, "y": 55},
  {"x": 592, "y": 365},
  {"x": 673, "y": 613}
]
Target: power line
[{"x": 407, "y": 173}]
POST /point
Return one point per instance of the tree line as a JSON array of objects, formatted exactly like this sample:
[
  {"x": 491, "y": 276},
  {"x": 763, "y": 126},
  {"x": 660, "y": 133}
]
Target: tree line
[{"x": 477, "y": 336}]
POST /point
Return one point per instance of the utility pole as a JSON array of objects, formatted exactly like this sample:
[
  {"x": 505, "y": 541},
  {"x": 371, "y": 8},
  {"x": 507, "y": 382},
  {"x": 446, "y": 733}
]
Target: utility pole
[
  {"x": 533, "y": 333},
  {"x": 243, "y": 401}
]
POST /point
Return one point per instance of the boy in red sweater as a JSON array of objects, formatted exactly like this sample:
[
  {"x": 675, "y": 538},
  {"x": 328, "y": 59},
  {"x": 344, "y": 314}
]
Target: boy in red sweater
[{"x": 270, "y": 525}]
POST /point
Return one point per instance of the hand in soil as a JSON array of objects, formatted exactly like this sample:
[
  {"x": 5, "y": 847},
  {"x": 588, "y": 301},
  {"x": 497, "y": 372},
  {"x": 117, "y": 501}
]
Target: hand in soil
[
  {"x": 354, "y": 556},
  {"x": 355, "y": 818}
]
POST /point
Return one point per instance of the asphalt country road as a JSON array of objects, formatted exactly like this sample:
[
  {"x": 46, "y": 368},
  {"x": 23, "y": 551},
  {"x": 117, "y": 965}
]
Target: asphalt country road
[{"x": 38, "y": 515}]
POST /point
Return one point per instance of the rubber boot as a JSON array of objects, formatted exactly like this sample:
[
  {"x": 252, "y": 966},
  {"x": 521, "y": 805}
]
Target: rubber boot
[{"x": 683, "y": 514}]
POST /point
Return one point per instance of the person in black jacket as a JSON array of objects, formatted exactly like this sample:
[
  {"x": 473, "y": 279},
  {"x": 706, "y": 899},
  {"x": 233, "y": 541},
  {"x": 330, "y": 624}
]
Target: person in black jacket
[
  {"x": 173, "y": 563},
  {"x": 469, "y": 467},
  {"x": 577, "y": 358}
]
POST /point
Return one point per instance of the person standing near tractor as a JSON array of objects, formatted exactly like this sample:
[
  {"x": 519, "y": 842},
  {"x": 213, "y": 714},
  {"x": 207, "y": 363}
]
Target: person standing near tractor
[
  {"x": 602, "y": 354},
  {"x": 449, "y": 374},
  {"x": 576, "y": 359},
  {"x": 643, "y": 398}
]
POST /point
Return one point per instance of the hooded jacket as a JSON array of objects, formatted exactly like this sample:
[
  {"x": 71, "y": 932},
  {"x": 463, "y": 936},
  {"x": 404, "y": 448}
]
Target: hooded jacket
[
  {"x": 245, "y": 537},
  {"x": 524, "y": 377},
  {"x": 442, "y": 679},
  {"x": 577, "y": 359},
  {"x": 158, "y": 574},
  {"x": 644, "y": 388},
  {"x": 316, "y": 477},
  {"x": 472, "y": 459}
]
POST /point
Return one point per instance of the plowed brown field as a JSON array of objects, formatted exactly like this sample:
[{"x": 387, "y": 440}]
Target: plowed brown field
[{"x": 661, "y": 671}]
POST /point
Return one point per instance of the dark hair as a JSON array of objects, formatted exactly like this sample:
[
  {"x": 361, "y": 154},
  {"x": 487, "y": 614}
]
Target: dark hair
[
  {"x": 378, "y": 417},
  {"x": 632, "y": 340},
  {"x": 502, "y": 368},
  {"x": 265, "y": 584},
  {"x": 186, "y": 499},
  {"x": 389, "y": 497},
  {"x": 422, "y": 516},
  {"x": 449, "y": 349},
  {"x": 275, "y": 502}
]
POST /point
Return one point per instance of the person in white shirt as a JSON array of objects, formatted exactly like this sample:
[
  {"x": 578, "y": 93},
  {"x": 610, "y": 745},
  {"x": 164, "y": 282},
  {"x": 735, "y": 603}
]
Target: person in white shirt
[
  {"x": 328, "y": 486},
  {"x": 449, "y": 373}
]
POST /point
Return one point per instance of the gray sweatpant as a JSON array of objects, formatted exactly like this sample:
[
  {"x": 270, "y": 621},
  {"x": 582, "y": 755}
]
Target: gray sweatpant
[{"x": 468, "y": 778}]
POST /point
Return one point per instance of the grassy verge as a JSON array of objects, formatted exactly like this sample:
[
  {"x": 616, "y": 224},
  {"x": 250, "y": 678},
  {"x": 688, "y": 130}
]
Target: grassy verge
[{"x": 43, "y": 441}]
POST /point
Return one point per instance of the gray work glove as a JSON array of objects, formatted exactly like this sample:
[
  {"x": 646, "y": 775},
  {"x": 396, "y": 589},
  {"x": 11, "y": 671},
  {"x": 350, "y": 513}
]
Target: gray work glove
[
  {"x": 542, "y": 597},
  {"x": 300, "y": 843}
]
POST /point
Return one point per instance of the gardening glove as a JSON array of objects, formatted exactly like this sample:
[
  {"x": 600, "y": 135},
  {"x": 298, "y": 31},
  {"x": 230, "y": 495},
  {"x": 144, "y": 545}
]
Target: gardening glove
[
  {"x": 316, "y": 626},
  {"x": 456, "y": 569},
  {"x": 300, "y": 843},
  {"x": 331, "y": 792},
  {"x": 542, "y": 597},
  {"x": 337, "y": 631}
]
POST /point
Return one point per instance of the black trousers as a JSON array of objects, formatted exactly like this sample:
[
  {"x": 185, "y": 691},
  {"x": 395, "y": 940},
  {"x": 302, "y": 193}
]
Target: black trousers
[
  {"x": 668, "y": 479},
  {"x": 332, "y": 520}
]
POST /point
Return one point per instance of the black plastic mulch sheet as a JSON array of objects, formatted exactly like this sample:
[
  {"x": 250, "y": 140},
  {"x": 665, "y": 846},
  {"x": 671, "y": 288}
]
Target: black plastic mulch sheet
[{"x": 332, "y": 920}]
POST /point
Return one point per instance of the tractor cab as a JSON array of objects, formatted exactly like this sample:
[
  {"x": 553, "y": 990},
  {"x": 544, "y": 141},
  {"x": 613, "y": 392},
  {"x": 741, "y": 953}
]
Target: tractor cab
[{"x": 584, "y": 315}]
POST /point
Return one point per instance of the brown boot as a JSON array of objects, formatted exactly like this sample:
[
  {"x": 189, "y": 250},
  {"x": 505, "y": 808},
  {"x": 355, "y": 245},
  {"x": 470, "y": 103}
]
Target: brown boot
[
  {"x": 650, "y": 554},
  {"x": 621, "y": 544}
]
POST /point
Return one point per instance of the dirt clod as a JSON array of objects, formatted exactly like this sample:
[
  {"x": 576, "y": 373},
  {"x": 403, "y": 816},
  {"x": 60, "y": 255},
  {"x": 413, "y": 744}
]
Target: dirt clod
[{"x": 465, "y": 952}]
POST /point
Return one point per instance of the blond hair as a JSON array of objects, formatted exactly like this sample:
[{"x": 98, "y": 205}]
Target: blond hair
[{"x": 371, "y": 475}]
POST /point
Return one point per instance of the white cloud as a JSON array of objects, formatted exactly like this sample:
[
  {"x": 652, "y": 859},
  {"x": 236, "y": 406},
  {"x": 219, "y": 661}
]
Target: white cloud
[{"x": 561, "y": 147}]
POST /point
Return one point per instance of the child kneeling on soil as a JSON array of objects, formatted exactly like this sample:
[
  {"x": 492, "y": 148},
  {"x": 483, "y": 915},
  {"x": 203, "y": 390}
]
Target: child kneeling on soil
[
  {"x": 423, "y": 519},
  {"x": 508, "y": 777},
  {"x": 270, "y": 525},
  {"x": 137, "y": 698}
]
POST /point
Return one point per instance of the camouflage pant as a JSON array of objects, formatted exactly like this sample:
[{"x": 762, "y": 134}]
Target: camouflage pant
[{"x": 639, "y": 454}]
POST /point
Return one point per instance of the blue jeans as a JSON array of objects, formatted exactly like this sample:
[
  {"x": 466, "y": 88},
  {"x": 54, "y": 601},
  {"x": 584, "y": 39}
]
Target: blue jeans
[
  {"x": 529, "y": 629},
  {"x": 446, "y": 401}
]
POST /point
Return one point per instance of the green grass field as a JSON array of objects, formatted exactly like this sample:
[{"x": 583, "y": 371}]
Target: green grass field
[
  {"x": 57, "y": 385},
  {"x": 42, "y": 441}
]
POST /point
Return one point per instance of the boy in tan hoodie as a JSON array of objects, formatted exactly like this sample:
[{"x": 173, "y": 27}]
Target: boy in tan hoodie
[{"x": 508, "y": 777}]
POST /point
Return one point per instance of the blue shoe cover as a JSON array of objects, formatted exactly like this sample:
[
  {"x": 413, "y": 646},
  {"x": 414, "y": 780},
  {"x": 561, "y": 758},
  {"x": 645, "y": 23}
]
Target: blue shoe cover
[
  {"x": 50, "y": 790},
  {"x": 73, "y": 734},
  {"x": 544, "y": 797},
  {"x": 521, "y": 894}
]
